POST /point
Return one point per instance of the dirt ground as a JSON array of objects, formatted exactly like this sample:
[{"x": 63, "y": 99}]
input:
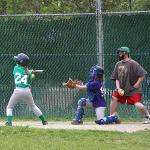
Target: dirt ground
[{"x": 123, "y": 127}]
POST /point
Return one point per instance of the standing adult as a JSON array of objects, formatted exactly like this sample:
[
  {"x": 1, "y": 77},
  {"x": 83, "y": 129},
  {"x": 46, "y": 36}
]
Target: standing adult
[{"x": 128, "y": 75}]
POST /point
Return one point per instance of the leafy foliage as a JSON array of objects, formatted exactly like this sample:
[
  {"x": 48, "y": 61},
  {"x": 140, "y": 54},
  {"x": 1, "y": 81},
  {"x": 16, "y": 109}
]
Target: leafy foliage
[
  {"x": 141, "y": 5},
  {"x": 71, "y": 6}
]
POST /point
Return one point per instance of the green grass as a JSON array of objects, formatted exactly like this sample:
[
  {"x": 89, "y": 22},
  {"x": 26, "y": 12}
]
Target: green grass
[{"x": 25, "y": 138}]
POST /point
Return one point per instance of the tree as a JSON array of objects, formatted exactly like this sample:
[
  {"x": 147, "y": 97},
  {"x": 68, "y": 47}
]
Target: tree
[
  {"x": 3, "y": 7},
  {"x": 69, "y": 6},
  {"x": 140, "y": 5},
  {"x": 116, "y": 5}
]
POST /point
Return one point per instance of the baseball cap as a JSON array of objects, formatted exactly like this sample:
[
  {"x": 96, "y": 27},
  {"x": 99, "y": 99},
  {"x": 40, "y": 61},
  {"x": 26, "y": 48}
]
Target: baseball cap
[{"x": 124, "y": 49}]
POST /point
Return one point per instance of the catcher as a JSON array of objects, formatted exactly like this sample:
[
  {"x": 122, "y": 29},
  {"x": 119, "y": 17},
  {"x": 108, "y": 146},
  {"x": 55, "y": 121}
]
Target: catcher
[
  {"x": 95, "y": 97},
  {"x": 23, "y": 79}
]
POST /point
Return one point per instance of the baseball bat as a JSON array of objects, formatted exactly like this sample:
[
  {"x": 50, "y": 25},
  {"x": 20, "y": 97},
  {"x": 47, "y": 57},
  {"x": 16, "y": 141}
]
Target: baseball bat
[{"x": 37, "y": 71}]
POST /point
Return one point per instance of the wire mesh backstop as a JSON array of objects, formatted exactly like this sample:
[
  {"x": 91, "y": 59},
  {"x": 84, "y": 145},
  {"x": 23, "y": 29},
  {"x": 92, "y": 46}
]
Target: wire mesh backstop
[{"x": 65, "y": 46}]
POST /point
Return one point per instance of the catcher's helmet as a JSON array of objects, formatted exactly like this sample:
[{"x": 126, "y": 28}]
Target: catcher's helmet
[
  {"x": 22, "y": 59},
  {"x": 99, "y": 71},
  {"x": 95, "y": 71}
]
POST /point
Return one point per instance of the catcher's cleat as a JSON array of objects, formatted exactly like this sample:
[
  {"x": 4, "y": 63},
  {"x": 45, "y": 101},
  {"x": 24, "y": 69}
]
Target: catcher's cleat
[
  {"x": 77, "y": 122},
  {"x": 118, "y": 121},
  {"x": 100, "y": 122},
  {"x": 44, "y": 122},
  {"x": 8, "y": 124},
  {"x": 147, "y": 120}
]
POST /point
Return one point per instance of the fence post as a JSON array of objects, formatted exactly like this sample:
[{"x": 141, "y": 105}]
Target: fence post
[{"x": 99, "y": 23}]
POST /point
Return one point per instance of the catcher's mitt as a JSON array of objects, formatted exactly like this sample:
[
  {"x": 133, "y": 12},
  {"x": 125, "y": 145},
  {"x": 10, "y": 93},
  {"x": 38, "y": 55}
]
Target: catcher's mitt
[{"x": 72, "y": 83}]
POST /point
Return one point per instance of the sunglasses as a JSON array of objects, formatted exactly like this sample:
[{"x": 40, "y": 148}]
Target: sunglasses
[{"x": 120, "y": 51}]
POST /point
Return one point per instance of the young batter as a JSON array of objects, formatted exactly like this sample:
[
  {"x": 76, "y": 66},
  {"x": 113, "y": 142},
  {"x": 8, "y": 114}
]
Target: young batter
[{"x": 22, "y": 92}]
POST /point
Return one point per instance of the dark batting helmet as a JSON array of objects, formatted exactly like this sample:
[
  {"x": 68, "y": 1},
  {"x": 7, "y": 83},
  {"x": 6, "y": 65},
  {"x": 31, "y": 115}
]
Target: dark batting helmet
[{"x": 22, "y": 59}]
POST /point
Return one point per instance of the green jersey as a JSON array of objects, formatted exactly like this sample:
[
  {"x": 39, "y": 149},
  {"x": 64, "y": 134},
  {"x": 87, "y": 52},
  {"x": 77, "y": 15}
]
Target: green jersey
[{"x": 21, "y": 78}]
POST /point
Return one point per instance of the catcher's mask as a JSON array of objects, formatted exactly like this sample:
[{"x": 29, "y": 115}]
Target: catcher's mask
[
  {"x": 95, "y": 71},
  {"x": 22, "y": 59}
]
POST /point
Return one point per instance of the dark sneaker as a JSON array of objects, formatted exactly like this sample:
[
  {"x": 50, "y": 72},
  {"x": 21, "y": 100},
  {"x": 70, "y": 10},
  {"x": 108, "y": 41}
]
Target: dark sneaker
[
  {"x": 117, "y": 120},
  {"x": 44, "y": 122},
  {"x": 77, "y": 122},
  {"x": 147, "y": 120},
  {"x": 101, "y": 122},
  {"x": 8, "y": 124}
]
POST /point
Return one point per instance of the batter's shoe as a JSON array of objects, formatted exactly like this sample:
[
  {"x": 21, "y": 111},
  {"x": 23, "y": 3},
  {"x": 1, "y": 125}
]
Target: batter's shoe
[
  {"x": 8, "y": 124},
  {"x": 77, "y": 122},
  {"x": 44, "y": 122},
  {"x": 147, "y": 120}
]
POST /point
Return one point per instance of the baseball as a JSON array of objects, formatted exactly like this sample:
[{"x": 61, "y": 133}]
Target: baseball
[{"x": 122, "y": 93}]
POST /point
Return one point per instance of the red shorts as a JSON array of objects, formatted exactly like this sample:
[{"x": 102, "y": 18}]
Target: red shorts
[{"x": 130, "y": 100}]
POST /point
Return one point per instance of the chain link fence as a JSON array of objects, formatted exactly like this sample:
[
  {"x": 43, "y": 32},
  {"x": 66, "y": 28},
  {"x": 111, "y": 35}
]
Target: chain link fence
[{"x": 66, "y": 46}]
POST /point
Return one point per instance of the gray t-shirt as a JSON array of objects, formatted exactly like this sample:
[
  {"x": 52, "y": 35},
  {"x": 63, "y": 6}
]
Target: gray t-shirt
[{"x": 128, "y": 72}]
